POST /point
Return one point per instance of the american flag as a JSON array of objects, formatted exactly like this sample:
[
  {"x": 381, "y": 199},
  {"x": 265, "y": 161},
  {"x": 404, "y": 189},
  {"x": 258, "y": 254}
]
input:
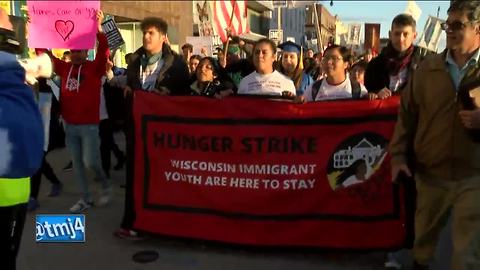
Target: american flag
[{"x": 222, "y": 12}]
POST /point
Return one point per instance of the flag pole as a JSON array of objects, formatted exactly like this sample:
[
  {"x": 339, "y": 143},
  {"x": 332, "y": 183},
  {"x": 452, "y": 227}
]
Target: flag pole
[
  {"x": 228, "y": 38},
  {"x": 318, "y": 29}
]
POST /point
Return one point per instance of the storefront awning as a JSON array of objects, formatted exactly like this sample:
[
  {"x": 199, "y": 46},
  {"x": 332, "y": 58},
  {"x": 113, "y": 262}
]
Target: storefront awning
[{"x": 252, "y": 36}]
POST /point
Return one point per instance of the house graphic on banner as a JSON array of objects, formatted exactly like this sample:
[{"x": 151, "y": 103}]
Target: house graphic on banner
[{"x": 363, "y": 150}]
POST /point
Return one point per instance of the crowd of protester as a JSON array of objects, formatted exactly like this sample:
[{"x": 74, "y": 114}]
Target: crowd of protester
[{"x": 96, "y": 99}]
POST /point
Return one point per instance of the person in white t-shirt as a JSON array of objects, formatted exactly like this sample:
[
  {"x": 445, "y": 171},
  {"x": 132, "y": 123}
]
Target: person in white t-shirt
[
  {"x": 265, "y": 80},
  {"x": 336, "y": 84}
]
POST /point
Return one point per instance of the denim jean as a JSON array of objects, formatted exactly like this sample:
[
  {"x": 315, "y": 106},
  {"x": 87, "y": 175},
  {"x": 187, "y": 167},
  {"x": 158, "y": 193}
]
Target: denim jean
[{"x": 83, "y": 143}]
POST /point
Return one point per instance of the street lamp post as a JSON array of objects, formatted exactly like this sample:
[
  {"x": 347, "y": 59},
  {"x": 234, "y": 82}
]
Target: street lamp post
[
  {"x": 279, "y": 18},
  {"x": 318, "y": 28}
]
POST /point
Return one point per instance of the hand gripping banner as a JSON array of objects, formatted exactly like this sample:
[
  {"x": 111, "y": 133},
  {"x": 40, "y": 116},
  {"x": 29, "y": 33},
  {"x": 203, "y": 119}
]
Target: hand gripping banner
[{"x": 263, "y": 172}]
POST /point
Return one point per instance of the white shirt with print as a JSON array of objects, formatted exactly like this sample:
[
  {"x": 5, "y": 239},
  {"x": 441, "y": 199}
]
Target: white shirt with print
[
  {"x": 266, "y": 84},
  {"x": 332, "y": 92},
  {"x": 398, "y": 80}
]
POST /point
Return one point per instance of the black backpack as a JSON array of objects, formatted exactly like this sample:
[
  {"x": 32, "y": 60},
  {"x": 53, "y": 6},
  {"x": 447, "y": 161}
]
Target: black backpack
[{"x": 356, "y": 89}]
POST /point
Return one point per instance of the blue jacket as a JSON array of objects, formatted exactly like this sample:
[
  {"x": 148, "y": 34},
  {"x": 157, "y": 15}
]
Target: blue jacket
[
  {"x": 306, "y": 81},
  {"x": 21, "y": 130}
]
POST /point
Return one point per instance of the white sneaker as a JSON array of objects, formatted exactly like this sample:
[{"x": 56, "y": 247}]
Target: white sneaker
[
  {"x": 392, "y": 262},
  {"x": 80, "y": 206},
  {"x": 105, "y": 198}
]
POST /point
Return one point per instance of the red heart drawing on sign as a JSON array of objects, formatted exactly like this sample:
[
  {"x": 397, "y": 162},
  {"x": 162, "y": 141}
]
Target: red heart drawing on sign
[{"x": 64, "y": 28}]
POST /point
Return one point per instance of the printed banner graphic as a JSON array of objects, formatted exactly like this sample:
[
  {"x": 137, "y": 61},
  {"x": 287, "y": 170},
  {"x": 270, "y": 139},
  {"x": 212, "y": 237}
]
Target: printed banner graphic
[{"x": 261, "y": 172}]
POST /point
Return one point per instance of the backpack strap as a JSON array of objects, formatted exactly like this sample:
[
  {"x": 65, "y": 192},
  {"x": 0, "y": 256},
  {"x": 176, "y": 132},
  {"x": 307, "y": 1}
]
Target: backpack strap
[
  {"x": 356, "y": 89},
  {"x": 315, "y": 88}
]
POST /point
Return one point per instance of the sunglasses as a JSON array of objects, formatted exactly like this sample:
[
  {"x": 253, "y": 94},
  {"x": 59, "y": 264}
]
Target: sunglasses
[{"x": 455, "y": 25}]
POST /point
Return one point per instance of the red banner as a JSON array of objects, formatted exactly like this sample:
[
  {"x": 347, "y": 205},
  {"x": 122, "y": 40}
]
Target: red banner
[{"x": 264, "y": 172}]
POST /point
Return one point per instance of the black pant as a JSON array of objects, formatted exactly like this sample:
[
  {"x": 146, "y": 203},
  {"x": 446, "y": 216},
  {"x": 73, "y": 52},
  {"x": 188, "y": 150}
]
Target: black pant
[
  {"x": 107, "y": 145},
  {"x": 129, "y": 210},
  {"x": 12, "y": 221},
  {"x": 46, "y": 170}
]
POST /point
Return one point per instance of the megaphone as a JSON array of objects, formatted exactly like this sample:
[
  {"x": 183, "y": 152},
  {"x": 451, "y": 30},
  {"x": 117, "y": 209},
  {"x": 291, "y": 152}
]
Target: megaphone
[
  {"x": 38, "y": 67},
  {"x": 8, "y": 42}
]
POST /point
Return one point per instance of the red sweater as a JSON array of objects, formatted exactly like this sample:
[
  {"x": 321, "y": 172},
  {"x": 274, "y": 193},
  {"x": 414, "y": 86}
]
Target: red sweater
[{"x": 80, "y": 102}]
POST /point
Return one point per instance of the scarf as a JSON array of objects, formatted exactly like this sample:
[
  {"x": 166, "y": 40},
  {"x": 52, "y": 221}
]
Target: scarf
[
  {"x": 147, "y": 61},
  {"x": 396, "y": 61}
]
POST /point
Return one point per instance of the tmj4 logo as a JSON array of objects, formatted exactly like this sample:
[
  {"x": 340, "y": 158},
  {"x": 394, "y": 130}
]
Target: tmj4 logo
[{"x": 60, "y": 228}]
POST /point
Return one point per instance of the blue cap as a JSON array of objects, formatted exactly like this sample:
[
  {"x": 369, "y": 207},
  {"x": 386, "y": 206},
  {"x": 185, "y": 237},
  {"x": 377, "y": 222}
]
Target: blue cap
[{"x": 289, "y": 46}]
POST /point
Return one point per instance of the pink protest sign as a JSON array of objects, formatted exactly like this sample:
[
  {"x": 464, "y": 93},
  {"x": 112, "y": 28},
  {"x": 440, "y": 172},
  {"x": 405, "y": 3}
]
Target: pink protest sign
[{"x": 62, "y": 24}]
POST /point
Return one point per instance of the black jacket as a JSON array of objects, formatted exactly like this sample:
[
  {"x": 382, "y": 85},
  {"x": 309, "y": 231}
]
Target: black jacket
[
  {"x": 56, "y": 133},
  {"x": 115, "y": 104},
  {"x": 215, "y": 87},
  {"x": 377, "y": 76},
  {"x": 173, "y": 76}
]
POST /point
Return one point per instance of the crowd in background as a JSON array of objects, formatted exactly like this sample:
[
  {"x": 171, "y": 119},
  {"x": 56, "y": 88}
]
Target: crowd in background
[{"x": 433, "y": 139}]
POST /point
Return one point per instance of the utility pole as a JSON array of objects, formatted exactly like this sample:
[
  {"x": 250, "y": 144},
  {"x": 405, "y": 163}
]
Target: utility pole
[
  {"x": 438, "y": 12},
  {"x": 279, "y": 18},
  {"x": 318, "y": 28}
]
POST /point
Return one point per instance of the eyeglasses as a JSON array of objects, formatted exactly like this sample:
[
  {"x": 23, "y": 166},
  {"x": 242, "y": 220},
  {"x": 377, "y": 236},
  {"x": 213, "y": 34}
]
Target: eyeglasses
[
  {"x": 455, "y": 26},
  {"x": 331, "y": 57}
]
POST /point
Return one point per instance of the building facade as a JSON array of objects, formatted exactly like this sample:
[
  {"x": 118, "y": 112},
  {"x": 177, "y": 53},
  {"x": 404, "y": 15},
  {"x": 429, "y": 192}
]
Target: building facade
[
  {"x": 128, "y": 14},
  {"x": 183, "y": 18},
  {"x": 293, "y": 24},
  {"x": 259, "y": 16},
  {"x": 319, "y": 39}
]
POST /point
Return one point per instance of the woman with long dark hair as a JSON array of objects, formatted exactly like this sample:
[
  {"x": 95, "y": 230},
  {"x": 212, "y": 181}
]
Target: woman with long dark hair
[
  {"x": 265, "y": 80},
  {"x": 210, "y": 80},
  {"x": 291, "y": 65}
]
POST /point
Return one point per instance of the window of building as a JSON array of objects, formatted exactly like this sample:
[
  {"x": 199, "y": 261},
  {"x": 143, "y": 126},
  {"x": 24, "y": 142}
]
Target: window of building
[{"x": 258, "y": 23}]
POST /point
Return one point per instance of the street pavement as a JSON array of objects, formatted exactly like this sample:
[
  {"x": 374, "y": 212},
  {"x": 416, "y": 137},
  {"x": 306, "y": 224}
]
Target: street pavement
[{"x": 102, "y": 250}]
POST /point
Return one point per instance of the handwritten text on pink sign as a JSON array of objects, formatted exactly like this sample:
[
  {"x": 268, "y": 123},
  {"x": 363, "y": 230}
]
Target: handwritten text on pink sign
[{"x": 62, "y": 24}]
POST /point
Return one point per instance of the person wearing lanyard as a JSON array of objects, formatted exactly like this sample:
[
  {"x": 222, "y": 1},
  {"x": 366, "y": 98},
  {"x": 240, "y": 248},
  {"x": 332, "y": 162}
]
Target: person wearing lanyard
[{"x": 154, "y": 68}]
